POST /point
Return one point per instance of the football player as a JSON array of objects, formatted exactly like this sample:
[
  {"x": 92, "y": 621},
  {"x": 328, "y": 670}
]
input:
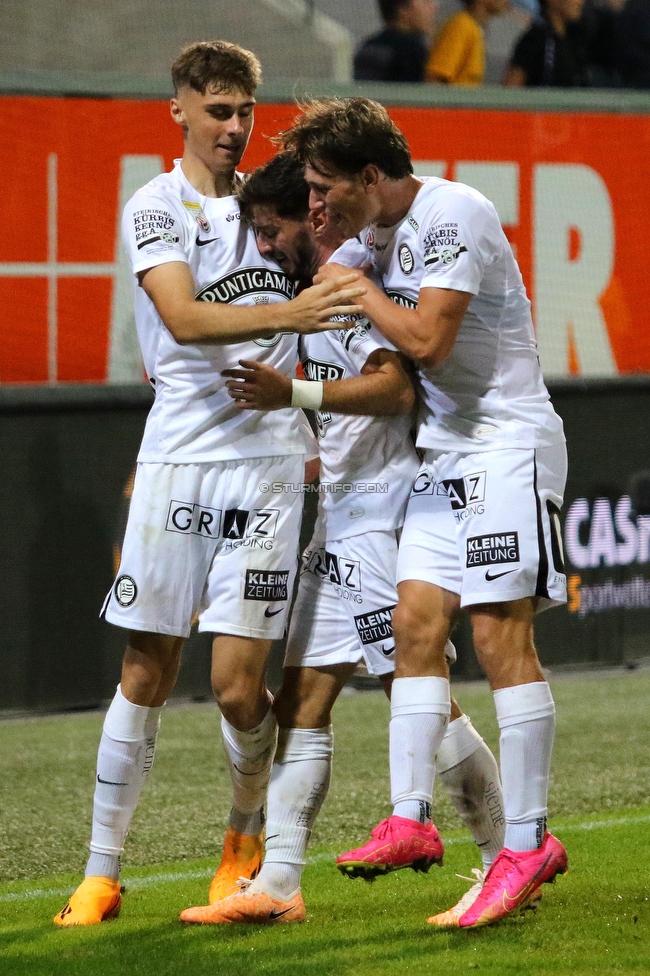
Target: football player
[
  {"x": 202, "y": 537},
  {"x": 482, "y": 525},
  {"x": 342, "y": 615}
]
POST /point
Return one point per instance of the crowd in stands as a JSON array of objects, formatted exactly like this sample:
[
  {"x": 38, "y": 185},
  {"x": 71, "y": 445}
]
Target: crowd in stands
[{"x": 564, "y": 43}]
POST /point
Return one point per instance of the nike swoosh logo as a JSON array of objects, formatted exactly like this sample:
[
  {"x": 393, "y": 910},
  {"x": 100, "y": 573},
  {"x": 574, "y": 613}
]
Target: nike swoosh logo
[
  {"x": 497, "y": 575},
  {"x": 273, "y": 914},
  {"x": 243, "y": 772},
  {"x": 109, "y": 782},
  {"x": 200, "y": 243},
  {"x": 510, "y": 903},
  {"x": 274, "y": 613},
  {"x": 387, "y": 650}
]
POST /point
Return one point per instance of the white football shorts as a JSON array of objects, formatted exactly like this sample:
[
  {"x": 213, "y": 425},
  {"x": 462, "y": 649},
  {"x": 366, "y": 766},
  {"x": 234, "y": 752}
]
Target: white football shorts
[
  {"x": 343, "y": 610},
  {"x": 487, "y": 525},
  {"x": 209, "y": 539}
]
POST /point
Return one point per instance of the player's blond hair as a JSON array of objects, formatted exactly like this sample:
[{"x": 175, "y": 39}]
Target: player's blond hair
[
  {"x": 346, "y": 134},
  {"x": 216, "y": 65}
]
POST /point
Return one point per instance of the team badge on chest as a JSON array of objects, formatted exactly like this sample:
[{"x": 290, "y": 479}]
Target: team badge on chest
[
  {"x": 406, "y": 261},
  {"x": 197, "y": 212}
]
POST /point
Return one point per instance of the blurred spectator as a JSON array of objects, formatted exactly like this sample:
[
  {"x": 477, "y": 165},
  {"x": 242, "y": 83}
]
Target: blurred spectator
[
  {"x": 458, "y": 54},
  {"x": 529, "y": 7},
  {"x": 598, "y": 24},
  {"x": 553, "y": 51},
  {"x": 399, "y": 52},
  {"x": 633, "y": 44}
]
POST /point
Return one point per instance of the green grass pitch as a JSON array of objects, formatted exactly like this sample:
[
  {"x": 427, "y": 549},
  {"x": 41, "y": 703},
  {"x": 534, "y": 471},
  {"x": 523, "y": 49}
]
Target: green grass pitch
[{"x": 595, "y": 920}]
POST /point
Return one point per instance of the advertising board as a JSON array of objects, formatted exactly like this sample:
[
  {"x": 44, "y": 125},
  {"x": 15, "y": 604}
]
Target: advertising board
[{"x": 569, "y": 188}]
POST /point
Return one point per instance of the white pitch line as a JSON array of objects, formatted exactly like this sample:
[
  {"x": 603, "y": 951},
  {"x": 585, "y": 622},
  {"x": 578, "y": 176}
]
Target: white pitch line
[
  {"x": 152, "y": 879},
  {"x": 604, "y": 824},
  {"x": 145, "y": 882}
]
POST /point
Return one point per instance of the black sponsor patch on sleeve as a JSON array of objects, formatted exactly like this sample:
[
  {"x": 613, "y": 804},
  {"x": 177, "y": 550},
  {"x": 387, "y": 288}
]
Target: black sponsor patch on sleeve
[{"x": 490, "y": 550}]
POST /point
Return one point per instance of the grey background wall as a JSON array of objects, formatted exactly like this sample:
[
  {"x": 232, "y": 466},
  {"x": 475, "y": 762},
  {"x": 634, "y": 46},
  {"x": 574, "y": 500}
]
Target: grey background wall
[{"x": 142, "y": 37}]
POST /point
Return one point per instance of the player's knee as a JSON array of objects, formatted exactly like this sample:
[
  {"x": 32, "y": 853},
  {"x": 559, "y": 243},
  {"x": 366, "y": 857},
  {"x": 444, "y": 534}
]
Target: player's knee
[
  {"x": 307, "y": 695},
  {"x": 242, "y": 699},
  {"x": 150, "y": 667},
  {"x": 413, "y": 625},
  {"x": 289, "y": 700},
  {"x": 502, "y": 645},
  {"x": 486, "y": 636}
]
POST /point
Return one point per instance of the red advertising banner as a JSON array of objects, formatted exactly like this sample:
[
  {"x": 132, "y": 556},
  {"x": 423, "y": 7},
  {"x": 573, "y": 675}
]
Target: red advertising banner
[{"x": 571, "y": 190}]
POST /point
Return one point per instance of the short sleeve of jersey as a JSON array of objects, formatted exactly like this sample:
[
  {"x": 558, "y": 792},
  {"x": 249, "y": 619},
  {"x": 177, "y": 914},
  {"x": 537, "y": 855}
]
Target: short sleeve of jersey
[
  {"x": 352, "y": 254},
  {"x": 359, "y": 342},
  {"x": 153, "y": 233},
  {"x": 459, "y": 238}
]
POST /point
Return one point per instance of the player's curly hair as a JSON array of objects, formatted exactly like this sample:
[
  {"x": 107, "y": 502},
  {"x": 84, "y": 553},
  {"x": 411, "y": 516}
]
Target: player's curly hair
[
  {"x": 279, "y": 184},
  {"x": 217, "y": 65},
  {"x": 346, "y": 134}
]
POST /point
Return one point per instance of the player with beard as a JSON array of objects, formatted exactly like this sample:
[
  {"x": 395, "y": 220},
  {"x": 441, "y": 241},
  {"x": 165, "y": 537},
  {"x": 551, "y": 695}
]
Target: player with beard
[
  {"x": 342, "y": 614},
  {"x": 201, "y": 534},
  {"x": 481, "y": 530}
]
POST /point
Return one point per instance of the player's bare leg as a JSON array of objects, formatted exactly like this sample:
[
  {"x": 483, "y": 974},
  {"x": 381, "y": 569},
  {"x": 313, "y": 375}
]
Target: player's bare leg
[
  {"x": 470, "y": 774},
  {"x": 503, "y": 638},
  {"x": 249, "y": 732},
  {"x": 420, "y": 710},
  {"x": 125, "y": 757},
  {"x": 420, "y": 697},
  {"x": 301, "y": 771},
  {"x": 299, "y": 782}
]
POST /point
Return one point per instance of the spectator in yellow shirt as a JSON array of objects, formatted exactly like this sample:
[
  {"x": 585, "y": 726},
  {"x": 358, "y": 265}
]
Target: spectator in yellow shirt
[{"x": 458, "y": 53}]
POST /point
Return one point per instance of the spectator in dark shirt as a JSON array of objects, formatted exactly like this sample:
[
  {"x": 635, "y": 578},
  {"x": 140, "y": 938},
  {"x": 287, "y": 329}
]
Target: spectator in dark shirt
[
  {"x": 633, "y": 44},
  {"x": 599, "y": 20},
  {"x": 400, "y": 51},
  {"x": 553, "y": 50}
]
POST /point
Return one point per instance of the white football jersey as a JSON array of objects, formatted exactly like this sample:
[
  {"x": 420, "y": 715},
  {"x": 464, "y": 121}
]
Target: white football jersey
[
  {"x": 367, "y": 464},
  {"x": 489, "y": 393},
  {"x": 193, "y": 419}
]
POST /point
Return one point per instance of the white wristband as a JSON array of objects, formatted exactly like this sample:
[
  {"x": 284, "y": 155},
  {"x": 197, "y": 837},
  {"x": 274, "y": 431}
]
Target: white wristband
[{"x": 307, "y": 393}]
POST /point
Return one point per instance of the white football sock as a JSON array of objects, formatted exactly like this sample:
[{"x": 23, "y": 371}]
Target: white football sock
[
  {"x": 470, "y": 774},
  {"x": 300, "y": 780},
  {"x": 420, "y": 709},
  {"x": 124, "y": 760},
  {"x": 250, "y": 755},
  {"x": 526, "y": 717}
]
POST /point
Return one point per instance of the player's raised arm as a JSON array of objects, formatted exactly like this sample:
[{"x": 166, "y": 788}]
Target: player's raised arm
[
  {"x": 426, "y": 334},
  {"x": 383, "y": 390},
  {"x": 171, "y": 288}
]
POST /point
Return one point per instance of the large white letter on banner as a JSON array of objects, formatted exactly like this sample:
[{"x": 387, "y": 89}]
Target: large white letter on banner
[
  {"x": 426, "y": 167},
  {"x": 573, "y": 256},
  {"x": 499, "y": 182}
]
